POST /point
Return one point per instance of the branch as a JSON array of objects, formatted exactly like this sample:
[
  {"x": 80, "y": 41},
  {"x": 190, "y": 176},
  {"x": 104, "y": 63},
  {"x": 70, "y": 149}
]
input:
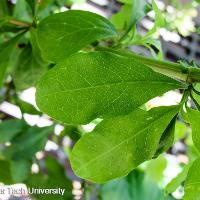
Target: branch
[{"x": 175, "y": 70}]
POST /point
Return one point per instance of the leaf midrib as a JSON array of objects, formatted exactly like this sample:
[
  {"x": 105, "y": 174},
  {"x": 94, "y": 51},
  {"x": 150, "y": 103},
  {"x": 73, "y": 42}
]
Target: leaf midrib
[{"x": 110, "y": 84}]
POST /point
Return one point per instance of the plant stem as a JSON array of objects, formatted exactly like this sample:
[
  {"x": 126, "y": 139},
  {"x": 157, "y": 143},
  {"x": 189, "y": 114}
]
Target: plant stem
[
  {"x": 195, "y": 91},
  {"x": 175, "y": 70},
  {"x": 195, "y": 102}
]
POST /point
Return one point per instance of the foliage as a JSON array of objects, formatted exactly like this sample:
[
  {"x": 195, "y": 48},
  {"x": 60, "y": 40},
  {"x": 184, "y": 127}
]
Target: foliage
[{"x": 84, "y": 73}]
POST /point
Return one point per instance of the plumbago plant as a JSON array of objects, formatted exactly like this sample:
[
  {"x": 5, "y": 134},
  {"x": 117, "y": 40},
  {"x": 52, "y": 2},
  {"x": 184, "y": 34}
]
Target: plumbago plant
[{"x": 84, "y": 71}]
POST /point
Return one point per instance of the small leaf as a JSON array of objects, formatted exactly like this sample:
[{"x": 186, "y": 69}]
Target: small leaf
[
  {"x": 118, "y": 145},
  {"x": 194, "y": 120},
  {"x": 5, "y": 51},
  {"x": 98, "y": 84},
  {"x": 5, "y": 172},
  {"x": 30, "y": 142},
  {"x": 32, "y": 4},
  {"x": 159, "y": 20},
  {"x": 27, "y": 108},
  {"x": 178, "y": 180},
  {"x": 192, "y": 184},
  {"x": 20, "y": 170},
  {"x": 132, "y": 12},
  {"x": 68, "y": 32},
  {"x": 10, "y": 128},
  {"x": 22, "y": 11},
  {"x": 167, "y": 138},
  {"x": 30, "y": 65}
]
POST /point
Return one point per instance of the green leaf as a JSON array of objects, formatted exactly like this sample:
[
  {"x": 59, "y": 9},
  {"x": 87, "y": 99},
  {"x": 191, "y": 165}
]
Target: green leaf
[
  {"x": 5, "y": 51},
  {"x": 132, "y": 12},
  {"x": 121, "y": 19},
  {"x": 192, "y": 184},
  {"x": 30, "y": 65},
  {"x": 155, "y": 168},
  {"x": 196, "y": 96},
  {"x": 6, "y": 26},
  {"x": 5, "y": 172},
  {"x": 10, "y": 128},
  {"x": 194, "y": 119},
  {"x": 55, "y": 178},
  {"x": 68, "y": 32},
  {"x": 32, "y": 4},
  {"x": 98, "y": 84},
  {"x": 198, "y": 30},
  {"x": 4, "y": 9},
  {"x": 118, "y": 145},
  {"x": 72, "y": 132},
  {"x": 181, "y": 129},
  {"x": 178, "y": 180},
  {"x": 26, "y": 145},
  {"x": 20, "y": 170},
  {"x": 126, "y": 1},
  {"x": 167, "y": 138},
  {"x": 22, "y": 11},
  {"x": 136, "y": 186},
  {"x": 27, "y": 108},
  {"x": 159, "y": 20}
]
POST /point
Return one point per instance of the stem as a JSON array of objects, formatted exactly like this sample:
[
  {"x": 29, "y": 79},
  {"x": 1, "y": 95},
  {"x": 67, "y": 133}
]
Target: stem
[
  {"x": 195, "y": 102},
  {"x": 175, "y": 70},
  {"x": 20, "y": 23},
  {"x": 184, "y": 98}
]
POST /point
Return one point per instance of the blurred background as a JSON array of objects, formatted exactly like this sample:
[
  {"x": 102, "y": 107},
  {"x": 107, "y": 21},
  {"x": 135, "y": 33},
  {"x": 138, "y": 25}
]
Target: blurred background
[{"x": 30, "y": 160}]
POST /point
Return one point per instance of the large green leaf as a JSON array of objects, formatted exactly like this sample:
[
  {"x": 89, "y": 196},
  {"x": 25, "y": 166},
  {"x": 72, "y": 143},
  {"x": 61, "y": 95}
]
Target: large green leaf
[
  {"x": 30, "y": 66},
  {"x": 118, "y": 145},
  {"x": 98, "y": 84},
  {"x": 63, "y": 34},
  {"x": 192, "y": 184},
  {"x": 194, "y": 119}
]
